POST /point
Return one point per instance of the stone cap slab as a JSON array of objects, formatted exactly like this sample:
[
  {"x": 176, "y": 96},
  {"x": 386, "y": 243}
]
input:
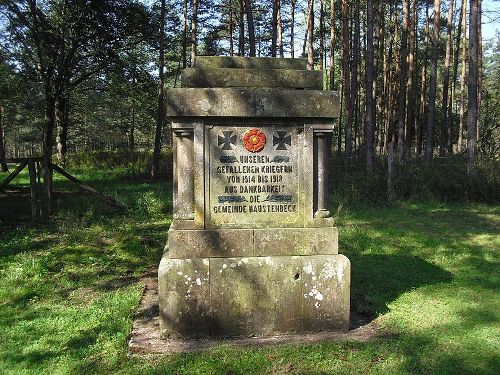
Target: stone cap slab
[
  {"x": 251, "y": 102},
  {"x": 227, "y": 77},
  {"x": 240, "y": 62}
]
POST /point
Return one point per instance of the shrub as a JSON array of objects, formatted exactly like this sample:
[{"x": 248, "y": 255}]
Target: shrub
[
  {"x": 136, "y": 164},
  {"x": 446, "y": 180}
]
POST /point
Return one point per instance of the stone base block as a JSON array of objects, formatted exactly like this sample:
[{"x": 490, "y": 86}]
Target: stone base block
[
  {"x": 253, "y": 296},
  {"x": 231, "y": 243}
]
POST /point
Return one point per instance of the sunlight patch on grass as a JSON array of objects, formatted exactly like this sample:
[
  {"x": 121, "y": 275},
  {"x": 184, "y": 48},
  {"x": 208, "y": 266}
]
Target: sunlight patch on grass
[{"x": 427, "y": 272}]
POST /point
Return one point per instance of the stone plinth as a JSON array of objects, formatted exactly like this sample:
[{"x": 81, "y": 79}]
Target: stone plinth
[
  {"x": 252, "y": 249},
  {"x": 253, "y": 295}
]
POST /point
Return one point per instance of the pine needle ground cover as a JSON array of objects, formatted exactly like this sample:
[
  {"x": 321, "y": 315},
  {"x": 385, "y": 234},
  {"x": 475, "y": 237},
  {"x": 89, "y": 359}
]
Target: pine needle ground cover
[{"x": 428, "y": 273}]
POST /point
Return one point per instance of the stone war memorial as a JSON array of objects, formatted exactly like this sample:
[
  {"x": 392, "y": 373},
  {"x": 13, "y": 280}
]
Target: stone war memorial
[{"x": 252, "y": 249}]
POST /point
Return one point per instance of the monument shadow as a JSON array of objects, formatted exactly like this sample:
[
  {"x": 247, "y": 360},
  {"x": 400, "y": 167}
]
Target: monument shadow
[{"x": 377, "y": 280}]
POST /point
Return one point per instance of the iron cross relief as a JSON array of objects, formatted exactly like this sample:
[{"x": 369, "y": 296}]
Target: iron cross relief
[
  {"x": 282, "y": 139},
  {"x": 226, "y": 140}
]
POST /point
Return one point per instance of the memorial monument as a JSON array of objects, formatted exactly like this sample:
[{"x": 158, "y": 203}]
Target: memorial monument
[{"x": 252, "y": 249}]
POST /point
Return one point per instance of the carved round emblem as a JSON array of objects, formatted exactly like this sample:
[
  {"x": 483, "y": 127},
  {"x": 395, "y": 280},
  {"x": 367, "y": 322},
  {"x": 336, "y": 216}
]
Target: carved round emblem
[{"x": 254, "y": 140}]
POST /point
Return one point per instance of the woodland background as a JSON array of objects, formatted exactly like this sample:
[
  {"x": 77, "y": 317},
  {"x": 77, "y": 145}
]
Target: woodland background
[
  {"x": 82, "y": 84},
  {"x": 79, "y": 77}
]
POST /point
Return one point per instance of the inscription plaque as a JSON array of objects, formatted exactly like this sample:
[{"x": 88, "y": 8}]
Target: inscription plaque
[{"x": 254, "y": 175}]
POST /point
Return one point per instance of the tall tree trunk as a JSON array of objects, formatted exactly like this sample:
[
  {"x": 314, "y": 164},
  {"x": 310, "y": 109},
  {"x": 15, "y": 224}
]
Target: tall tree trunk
[
  {"x": 310, "y": 35},
  {"x": 241, "y": 30},
  {"x": 346, "y": 77},
  {"x": 231, "y": 29},
  {"x": 62, "y": 125},
  {"x": 393, "y": 123},
  {"x": 370, "y": 107},
  {"x": 388, "y": 76},
  {"x": 47, "y": 148},
  {"x": 280, "y": 31},
  {"x": 3, "y": 164},
  {"x": 463, "y": 77},
  {"x": 160, "y": 111},
  {"x": 429, "y": 140},
  {"x": 194, "y": 31},
  {"x": 342, "y": 111},
  {"x": 332, "y": 45},
  {"x": 321, "y": 35},
  {"x": 443, "y": 139},
  {"x": 412, "y": 91},
  {"x": 274, "y": 27},
  {"x": 131, "y": 134},
  {"x": 480, "y": 67},
  {"x": 381, "y": 103},
  {"x": 473, "y": 83},
  {"x": 456, "y": 54},
  {"x": 292, "y": 29},
  {"x": 184, "y": 34},
  {"x": 251, "y": 29},
  {"x": 423, "y": 86},
  {"x": 306, "y": 33},
  {"x": 354, "y": 83},
  {"x": 403, "y": 75}
]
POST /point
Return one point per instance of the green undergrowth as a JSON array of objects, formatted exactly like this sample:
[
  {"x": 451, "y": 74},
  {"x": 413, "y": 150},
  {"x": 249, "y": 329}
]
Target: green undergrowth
[{"x": 427, "y": 273}]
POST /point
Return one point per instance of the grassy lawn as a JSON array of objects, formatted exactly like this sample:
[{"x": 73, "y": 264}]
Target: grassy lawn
[{"x": 428, "y": 273}]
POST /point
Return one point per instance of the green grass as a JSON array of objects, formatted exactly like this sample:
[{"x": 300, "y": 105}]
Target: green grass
[{"x": 428, "y": 273}]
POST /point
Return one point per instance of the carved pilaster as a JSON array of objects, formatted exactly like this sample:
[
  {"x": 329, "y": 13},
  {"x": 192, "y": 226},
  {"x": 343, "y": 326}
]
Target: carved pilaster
[
  {"x": 184, "y": 173},
  {"x": 322, "y": 172}
]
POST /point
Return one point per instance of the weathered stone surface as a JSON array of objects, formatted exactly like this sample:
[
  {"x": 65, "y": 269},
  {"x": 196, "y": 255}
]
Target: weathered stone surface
[
  {"x": 297, "y": 241},
  {"x": 251, "y": 102},
  {"x": 253, "y": 295},
  {"x": 217, "y": 243},
  {"x": 326, "y": 288},
  {"x": 239, "y": 62},
  {"x": 184, "y": 297},
  {"x": 252, "y": 247},
  {"x": 226, "y": 77},
  {"x": 210, "y": 243}
]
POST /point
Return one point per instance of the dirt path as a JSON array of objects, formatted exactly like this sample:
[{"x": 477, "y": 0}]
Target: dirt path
[{"x": 145, "y": 338}]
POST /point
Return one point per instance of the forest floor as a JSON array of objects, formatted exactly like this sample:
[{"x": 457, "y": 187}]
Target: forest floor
[{"x": 426, "y": 274}]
